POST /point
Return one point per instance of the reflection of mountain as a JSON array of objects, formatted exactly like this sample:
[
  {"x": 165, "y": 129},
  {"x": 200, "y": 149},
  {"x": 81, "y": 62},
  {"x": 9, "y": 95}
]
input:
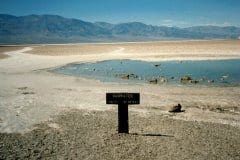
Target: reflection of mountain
[{"x": 56, "y": 29}]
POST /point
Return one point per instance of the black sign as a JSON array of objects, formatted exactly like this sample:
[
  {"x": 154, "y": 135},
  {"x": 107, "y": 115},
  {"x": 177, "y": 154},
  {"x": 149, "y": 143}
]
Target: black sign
[{"x": 123, "y": 98}]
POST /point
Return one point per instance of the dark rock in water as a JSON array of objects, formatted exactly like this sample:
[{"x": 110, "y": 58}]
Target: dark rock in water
[
  {"x": 132, "y": 75},
  {"x": 188, "y": 79},
  {"x": 125, "y": 76},
  {"x": 185, "y": 79},
  {"x": 176, "y": 108},
  {"x": 157, "y": 65},
  {"x": 172, "y": 77},
  {"x": 194, "y": 81},
  {"x": 152, "y": 81}
]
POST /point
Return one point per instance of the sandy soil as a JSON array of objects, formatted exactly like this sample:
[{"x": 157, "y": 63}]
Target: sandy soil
[{"x": 30, "y": 95}]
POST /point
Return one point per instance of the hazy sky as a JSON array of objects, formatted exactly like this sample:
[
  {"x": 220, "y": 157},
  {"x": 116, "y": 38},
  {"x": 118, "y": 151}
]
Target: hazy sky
[{"x": 156, "y": 12}]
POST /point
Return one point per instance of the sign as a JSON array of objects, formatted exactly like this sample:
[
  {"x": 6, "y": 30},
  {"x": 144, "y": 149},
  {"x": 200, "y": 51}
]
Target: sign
[{"x": 123, "y": 100}]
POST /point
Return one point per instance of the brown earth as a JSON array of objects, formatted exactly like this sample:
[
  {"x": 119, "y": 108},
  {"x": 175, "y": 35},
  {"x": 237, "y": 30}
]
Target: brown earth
[{"x": 92, "y": 135}]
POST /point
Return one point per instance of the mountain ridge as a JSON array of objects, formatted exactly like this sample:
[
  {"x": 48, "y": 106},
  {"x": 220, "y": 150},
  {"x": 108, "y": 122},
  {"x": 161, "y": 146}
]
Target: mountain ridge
[{"x": 45, "y": 28}]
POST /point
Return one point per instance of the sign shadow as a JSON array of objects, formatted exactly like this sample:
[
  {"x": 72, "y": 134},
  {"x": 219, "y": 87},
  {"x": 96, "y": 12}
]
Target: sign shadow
[{"x": 151, "y": 135}]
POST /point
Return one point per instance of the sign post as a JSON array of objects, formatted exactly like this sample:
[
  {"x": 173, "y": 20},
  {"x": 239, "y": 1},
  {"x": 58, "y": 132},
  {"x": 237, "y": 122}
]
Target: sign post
[{"x": 123, "y": 100}]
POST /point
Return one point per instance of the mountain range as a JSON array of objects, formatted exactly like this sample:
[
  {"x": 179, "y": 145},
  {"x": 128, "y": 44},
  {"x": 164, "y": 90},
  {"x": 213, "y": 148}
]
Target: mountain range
[{"x": 56, "y": 29}]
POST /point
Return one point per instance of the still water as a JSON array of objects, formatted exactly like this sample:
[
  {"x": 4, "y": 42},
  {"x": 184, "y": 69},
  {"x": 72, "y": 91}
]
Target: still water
[{"x": 207, "y": 72}]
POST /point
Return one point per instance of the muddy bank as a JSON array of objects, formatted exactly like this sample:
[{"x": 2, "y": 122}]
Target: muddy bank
[{"x": 92, "y": 135}]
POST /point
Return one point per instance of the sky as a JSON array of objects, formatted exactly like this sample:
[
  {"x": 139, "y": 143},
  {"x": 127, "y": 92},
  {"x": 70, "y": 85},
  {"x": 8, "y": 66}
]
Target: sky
[{"x": 180, "y": 13}]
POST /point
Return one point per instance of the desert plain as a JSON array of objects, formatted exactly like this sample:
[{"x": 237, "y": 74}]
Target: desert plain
[{"x": 44, "y": 115}]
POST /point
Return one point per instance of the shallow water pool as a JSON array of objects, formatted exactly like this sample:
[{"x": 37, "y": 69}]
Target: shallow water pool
[{"x": 207, "y": 72}]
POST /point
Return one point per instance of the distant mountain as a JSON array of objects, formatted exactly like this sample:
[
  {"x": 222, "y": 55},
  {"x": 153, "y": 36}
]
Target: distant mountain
[
  {"x": 57, "y": 29},
  {"x": 104, "y": 25},
  {"x": 48, "y": 29}
]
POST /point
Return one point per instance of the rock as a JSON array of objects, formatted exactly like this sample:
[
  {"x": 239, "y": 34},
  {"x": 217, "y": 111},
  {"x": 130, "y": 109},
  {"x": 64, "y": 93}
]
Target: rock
[
  {"x": 128, "y": 76},
  {"x": 186, "y": 78},
  {"x": 152, "y": 81},
  {"x": 163, "y": 79},
  {"x": 125, "y": 76},
  {"x": 194, "y": 81},
  {"x": 219, "y": 109},
  {"x": 176, "y": 108},
  {"x": 133, "y": 75},
  {"x": 157, "y": 65}
]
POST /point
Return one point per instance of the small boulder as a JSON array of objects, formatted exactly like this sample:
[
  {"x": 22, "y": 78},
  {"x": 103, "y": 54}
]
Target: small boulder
[
  {"x": 175, "y": 108},
  {"x": 153, "y": 81},
  {"x": 125, "y": 76},
  {"x": 157, "y": 65},
  {"x": 186, "y": 78}
]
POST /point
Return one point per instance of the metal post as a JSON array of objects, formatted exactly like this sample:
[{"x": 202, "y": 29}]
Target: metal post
[{"x": 123, "y": 118}]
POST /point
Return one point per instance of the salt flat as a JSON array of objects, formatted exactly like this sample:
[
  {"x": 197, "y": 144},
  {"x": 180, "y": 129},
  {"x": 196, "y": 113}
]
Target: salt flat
[{"x": 31, "y": 95}]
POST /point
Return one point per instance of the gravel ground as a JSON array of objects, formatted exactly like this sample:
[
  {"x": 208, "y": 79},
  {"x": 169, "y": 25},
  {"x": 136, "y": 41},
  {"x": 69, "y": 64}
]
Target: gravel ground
[{"x": 81, "y": 134}]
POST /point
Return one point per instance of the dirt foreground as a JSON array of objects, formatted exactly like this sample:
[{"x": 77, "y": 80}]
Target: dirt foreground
[
  {"x": 92, "y": 135},
  {"x": 48, "y": 116}
]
